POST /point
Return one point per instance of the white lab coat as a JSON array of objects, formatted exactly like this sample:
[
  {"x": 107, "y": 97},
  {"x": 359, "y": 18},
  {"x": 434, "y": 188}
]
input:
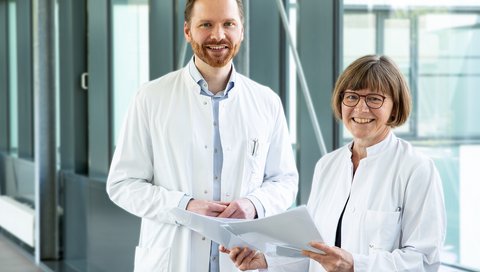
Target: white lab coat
[
  {"x": 395, "y": 217},
  {"x": 165, "y": 151}
]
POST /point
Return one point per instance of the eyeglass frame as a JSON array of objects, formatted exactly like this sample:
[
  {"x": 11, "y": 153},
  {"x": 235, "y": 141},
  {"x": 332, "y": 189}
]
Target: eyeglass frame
[{"x": 364, "y": 98}]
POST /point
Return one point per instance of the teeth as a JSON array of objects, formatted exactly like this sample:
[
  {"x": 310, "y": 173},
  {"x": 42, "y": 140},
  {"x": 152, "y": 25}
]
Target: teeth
[
  {"x": 217, "y": 47},
  {"x": 362, "y": 120}
]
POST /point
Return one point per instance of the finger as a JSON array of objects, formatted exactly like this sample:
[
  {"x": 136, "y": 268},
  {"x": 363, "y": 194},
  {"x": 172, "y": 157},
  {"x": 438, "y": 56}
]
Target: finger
[
  {"x": 227, "y": 213},
  {"x": 250, "y": 256},
  {"x": 225, "y": 203},
  {"x": 241, "y": 256},
  {"x": 322, "y": 246},
  {"x": 216, "y": 207},
  {"x": 223, "y": 249}
]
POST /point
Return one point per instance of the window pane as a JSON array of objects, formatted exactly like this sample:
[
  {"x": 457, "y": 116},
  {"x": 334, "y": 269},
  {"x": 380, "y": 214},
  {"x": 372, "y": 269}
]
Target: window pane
[
  {"x": 12, "y": 69},
  {"x": 437, "y": 50},
  {"x": 130, "y": 55}
]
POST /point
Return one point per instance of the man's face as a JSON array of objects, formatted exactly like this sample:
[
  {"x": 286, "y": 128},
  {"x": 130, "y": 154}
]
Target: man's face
[{"x": 215, "y": 31}]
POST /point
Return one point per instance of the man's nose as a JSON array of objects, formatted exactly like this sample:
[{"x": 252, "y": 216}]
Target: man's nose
[{"x": 218, "y": 33}]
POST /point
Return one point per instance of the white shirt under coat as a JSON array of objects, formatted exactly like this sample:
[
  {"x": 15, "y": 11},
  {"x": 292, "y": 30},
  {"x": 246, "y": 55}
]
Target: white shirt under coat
[
  {"x": 395, "y": 218},
  {"x": 164, "y": 152}
]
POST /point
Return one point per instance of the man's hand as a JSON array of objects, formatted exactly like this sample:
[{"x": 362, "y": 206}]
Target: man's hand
[
  {"x": 205, "y": 207},
  {"x": 245, "y": 258},
  {"x": 334, "y": 260},
  {"x": 241, "y": 208}
]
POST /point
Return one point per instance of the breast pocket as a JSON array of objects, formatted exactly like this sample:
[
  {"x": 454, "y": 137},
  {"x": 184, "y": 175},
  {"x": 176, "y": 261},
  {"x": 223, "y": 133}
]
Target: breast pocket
[
  {"x": 382, "y": 230},
  {"x": 256, "y": 156}
]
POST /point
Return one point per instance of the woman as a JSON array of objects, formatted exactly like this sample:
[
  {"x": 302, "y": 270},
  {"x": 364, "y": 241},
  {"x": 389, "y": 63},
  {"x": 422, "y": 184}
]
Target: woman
[{"x": 377, "y": 203}]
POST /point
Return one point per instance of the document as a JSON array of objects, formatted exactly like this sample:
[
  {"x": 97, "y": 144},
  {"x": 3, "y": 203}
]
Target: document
[{"x": 288, "y": 233}]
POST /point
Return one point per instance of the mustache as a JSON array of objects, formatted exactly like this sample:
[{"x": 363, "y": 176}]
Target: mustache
[{"x": 215, "y": 42}]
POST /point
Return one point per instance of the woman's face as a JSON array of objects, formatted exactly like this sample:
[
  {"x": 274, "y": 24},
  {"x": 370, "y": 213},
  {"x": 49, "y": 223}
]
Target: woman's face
[{"x": 368, "y": 126}]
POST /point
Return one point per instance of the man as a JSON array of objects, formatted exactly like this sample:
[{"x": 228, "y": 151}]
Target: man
[{"x": 205, "y": 139}]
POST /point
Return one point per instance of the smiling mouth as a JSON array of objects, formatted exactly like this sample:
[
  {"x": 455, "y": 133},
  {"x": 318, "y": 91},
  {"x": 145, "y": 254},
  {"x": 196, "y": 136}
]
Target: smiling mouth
[
  {"x": 217, "y": 47},
  {"x": 362, "y": 120}
]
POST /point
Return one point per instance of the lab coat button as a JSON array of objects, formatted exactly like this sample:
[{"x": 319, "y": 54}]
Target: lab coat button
[
  {"x": 204, "y": 102},
  {"x": 203, "y": 238},
  {"x": 205, "y": 192},
  {"x": 370, "y": 245},
  {"x": 206, "y": 146}
]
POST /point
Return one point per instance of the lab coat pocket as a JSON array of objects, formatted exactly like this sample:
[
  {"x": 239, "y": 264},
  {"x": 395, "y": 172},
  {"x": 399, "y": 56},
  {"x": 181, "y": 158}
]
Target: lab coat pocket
[
  {"x": 257, "y": 151},
  {"x": 151, "y": 259},
  {"x": 382, "y": 230}
]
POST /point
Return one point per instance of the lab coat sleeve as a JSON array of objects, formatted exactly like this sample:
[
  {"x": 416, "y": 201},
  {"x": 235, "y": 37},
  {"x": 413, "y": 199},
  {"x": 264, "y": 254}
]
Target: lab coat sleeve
[
  {"x": 129, "y": 183},
  {"x": 280, "y": 184},
  {"x": 422, "y": 228}
]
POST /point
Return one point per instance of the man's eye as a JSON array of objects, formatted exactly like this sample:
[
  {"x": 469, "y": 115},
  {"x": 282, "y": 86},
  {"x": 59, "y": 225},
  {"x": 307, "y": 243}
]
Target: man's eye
[
  {"x": 229, "y": 24},
  {"x": 205, "y": 25}
]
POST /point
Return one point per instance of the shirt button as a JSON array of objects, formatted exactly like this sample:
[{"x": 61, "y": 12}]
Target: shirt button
[
  {"x": 203, "y": 238},
  {"x": 216, "y": 177},
  {"x": 206, "y": 146},
  {"x": 370, "y": 245},
  {"x": 215, "y": 150},
  {"x": 204, "y": 102},
  {"x": 205, "y": 192},
  {"x": 215, "y": 123}
]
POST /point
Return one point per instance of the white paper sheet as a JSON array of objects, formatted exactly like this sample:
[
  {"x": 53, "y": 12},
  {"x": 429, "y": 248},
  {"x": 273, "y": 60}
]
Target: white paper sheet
[{"x": 290, "y": 231}]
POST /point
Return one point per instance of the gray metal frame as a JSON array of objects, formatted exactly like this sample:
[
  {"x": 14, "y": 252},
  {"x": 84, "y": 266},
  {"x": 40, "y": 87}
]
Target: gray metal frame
[
  {"x": 99, "y": 90},
  {"x": 162, "y": 37},
  {"x": 25, "y": 79},
  {"x": 73, "y": 99},
  {"x": 46, "y": 193},
  {"x": 4, "y": 89}
]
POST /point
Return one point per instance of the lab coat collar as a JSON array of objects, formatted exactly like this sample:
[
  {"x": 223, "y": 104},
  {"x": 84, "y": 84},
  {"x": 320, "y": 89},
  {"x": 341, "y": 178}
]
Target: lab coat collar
[
  {"x": 198, "y": 78},
  {"x": 377, "y": 148}
]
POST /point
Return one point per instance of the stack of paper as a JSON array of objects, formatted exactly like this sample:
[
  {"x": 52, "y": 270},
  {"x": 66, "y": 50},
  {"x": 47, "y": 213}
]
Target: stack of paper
[{"x": 288, "y": 232}]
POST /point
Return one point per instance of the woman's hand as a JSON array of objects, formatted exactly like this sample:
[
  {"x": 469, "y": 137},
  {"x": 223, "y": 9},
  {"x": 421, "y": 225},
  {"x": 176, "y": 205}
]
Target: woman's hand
[
  {"x": 334, "y": 260},
  {"x": 245, "y": 258}
]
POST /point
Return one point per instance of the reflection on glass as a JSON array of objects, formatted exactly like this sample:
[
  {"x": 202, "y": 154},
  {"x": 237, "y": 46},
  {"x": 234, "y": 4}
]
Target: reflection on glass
[
  {"x": 12, "y": 81},
  {"x": 130, "y": 55},
  {"x": 437, "y": 50}
]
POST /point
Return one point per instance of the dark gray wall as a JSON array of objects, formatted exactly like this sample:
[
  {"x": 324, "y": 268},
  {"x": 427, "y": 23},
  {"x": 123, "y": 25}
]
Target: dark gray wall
[{"x": 319, "y": 48}]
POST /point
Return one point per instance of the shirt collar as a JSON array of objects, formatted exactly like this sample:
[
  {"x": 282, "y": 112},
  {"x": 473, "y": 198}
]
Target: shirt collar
[{"x": 197, "y": 77}]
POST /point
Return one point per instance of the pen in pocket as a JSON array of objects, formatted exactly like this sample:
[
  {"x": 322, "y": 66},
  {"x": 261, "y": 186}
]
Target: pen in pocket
[{"x": 254, "y": 146}]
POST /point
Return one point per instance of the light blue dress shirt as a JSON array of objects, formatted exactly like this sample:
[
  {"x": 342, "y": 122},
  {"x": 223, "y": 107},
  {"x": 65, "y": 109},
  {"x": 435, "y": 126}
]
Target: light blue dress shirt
[{"x": 217, "y": 149}]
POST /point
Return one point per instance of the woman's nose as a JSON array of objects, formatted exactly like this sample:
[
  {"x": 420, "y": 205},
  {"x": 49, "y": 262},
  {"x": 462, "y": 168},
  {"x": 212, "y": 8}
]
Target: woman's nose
[{"x": 362, "y": 105}]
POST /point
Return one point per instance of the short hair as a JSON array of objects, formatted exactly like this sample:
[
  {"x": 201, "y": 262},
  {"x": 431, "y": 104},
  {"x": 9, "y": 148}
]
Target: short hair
[
  {"x": 189, "y": 7},
  {"x": 376, "y": 73}
]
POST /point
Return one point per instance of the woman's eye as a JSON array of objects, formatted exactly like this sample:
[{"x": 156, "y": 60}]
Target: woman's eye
[{"x": 352, "y": 97}]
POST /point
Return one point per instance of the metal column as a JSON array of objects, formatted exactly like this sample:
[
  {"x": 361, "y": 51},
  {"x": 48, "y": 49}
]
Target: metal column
[{"x": 46, "y": 224}]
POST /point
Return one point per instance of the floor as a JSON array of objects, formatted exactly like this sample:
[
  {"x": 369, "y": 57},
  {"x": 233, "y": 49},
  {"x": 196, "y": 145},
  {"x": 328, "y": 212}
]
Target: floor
[{"x": 13, "y": 259}]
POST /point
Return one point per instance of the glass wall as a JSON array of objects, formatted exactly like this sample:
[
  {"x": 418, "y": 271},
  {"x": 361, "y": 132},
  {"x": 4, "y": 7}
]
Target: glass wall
[
  {"x": 12, "y": 71},
  {"x": 437, "y": 49},
  {"x": 130, "y": 55}
]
